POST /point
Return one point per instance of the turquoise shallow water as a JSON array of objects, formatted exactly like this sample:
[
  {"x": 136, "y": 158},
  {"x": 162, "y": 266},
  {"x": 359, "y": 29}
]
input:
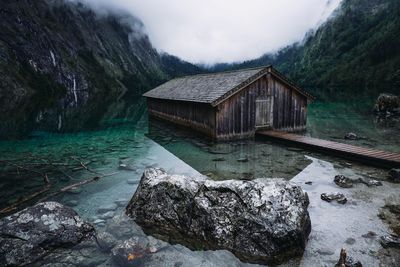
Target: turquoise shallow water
[{"x": 121, "y": 153}]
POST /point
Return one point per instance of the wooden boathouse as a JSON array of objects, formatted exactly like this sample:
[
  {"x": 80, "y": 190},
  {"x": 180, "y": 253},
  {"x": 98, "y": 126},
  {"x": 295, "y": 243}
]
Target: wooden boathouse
[{"x": 232, "y": 104}]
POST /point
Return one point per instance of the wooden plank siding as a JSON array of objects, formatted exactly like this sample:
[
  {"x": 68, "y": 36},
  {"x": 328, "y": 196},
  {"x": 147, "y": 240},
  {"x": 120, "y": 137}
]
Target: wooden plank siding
[
  {"x": 198, "y": 116},
  {"x": 235, "y": 117},
  {"x": 290, "y": 107}
]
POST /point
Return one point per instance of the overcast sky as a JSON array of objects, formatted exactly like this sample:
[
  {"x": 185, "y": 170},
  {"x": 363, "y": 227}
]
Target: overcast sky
[{"x": 210, "y": 31}]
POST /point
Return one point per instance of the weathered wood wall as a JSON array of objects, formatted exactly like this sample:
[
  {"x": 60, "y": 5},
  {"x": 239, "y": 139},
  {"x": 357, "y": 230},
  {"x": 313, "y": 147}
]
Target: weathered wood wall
[
  {"x": 236, "y": 116},
  {"x": 198, "y": 116},
  {"x": 290, "y": 107}
]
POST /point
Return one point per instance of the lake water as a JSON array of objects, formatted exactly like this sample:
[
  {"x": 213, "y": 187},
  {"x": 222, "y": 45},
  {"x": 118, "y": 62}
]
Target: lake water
[{"x": 121, "y": 152}]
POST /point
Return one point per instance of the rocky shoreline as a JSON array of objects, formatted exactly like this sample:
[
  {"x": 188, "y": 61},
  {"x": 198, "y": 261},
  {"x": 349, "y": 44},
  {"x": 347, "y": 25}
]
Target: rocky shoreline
[{"x": 262, "y": 221}]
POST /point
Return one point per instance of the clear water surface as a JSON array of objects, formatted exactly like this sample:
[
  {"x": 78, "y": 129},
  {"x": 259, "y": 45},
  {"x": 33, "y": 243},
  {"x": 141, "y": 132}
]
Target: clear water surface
[{"x": 120, "y": 153}]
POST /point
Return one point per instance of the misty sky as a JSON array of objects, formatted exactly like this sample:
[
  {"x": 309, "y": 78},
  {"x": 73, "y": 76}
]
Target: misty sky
[{"x": 210, "y": 31}]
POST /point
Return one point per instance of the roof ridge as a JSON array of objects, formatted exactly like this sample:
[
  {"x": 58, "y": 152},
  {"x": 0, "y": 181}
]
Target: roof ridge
[{"x": 221, "y": 72}]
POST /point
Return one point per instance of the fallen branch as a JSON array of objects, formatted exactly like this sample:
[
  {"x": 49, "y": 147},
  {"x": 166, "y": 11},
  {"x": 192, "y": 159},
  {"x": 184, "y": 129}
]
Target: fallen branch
[
  {"x": 15, "y": 205},
  {"x": 83, "y": 165},
  {"x": 86, "y": 167},
  {"x": 46, "y": 188},
  {"x": 60, "y": 170},
  {"x": 44, "y": 175},
  {"x": 69, "y": 187}
]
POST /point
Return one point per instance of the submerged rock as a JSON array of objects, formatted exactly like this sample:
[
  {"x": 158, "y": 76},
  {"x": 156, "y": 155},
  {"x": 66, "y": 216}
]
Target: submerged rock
[
  {"x": 390, "y": 213},
  {"x": 387, "y": 103},
  {"x": 126, "y": 167},
  {"x": 338, "y": 197},
  {"x": 394, "y": 175},
  {"x": 370, "y": 234},
  {"x": 259, "y": 221},
  {"x": 370, "y": 182},
  {"x": 351, "y": 136},
  {"x": 342, "y": 181},
  {"x": 30, "y": 234},
  {"x": 106, "y": 241},
  {"x": 135, "y": 250}
]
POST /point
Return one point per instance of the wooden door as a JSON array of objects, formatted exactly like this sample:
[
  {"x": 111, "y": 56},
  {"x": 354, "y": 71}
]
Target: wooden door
[{"x": 264, "y": 112}]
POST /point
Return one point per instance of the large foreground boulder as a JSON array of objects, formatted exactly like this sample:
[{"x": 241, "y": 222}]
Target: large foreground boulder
[
  {"x": 30, "y": 234},
  {"x": 261, "y": 221}
]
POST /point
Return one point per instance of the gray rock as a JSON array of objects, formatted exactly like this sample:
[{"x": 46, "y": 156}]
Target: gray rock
[
  {"x": 351, "y": 136},
  {"x": 387, "y": 103},
  {"x": 390, "y": 241},
  {"x": 342, "y": 181},
  {"x": 370, "y": 182},
  {"x": 32, "y": 233},
  {"x": 106, "y": 241},
  {"x": 262, "y": 220},
  {"x": 338, "y": 197},
  {"x": 394, "y": 175}
]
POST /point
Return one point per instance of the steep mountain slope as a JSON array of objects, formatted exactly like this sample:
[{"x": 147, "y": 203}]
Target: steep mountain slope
[
  {"x": 355, "y": 54},
  {"x": 64, "y": 67}
]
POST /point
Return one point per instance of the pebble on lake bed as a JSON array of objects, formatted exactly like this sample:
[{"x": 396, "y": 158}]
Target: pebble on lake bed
[
  {"x": 329, "y": 197},
  {"x": 394, "y": 175},
  {"x": 351, "y": 136},
  {"x": 370, "y": 182},
  {"x": 342, "y": 181}
]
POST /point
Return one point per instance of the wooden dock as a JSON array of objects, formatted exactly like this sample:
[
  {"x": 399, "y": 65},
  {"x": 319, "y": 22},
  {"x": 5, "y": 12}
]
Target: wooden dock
[{"x": 366, "y": 155}]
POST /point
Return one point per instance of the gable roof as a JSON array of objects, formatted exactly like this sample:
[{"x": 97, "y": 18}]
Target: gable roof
[{"x": 213, "y": 88}]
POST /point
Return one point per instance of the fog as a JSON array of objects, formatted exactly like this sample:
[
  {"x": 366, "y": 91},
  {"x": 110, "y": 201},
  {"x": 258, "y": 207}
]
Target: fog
[{"x": 211, "y": 31}]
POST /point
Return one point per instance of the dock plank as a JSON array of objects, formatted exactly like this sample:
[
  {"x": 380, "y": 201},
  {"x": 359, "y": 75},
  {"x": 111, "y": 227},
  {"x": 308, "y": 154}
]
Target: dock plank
[{"x": 366, "y": 155}]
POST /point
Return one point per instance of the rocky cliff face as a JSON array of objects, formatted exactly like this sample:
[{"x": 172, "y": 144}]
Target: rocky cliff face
[{"x": 64, "y": 67}]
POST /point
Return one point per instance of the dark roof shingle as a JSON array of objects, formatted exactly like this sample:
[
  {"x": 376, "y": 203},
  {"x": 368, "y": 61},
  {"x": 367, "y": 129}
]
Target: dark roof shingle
[{"x": 206, "y": 88}]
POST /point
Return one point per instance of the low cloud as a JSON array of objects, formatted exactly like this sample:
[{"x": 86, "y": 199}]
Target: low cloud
[{"x": 211, "y": 31}]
